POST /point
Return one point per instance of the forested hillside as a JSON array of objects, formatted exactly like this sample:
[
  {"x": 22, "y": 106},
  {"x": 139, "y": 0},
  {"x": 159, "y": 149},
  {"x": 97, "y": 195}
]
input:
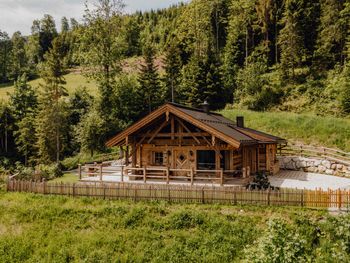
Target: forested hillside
[{"x": 288, "y": 55}]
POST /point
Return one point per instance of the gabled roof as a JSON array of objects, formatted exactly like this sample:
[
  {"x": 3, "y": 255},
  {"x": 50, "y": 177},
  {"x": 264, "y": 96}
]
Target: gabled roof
[{"x": 213, "y": 123}]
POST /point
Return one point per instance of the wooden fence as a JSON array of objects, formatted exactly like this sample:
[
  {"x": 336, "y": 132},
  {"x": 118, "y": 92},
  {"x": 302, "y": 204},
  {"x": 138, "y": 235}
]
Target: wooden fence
[
  {"x": 335, "y": 155},
  {"x": 190, "y": 194}
]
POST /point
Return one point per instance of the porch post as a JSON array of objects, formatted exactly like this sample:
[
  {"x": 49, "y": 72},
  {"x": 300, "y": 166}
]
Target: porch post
[{"x": 127, "y": 156}]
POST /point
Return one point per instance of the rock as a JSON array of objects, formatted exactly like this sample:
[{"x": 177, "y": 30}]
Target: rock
[
  {"x": 290, "y": 166},
  {"x": 339, "y": 166},
  {"x": 330, "y": 171},
  {"x": 326, "y": 164},
  {"x": 317, "y": 162},
  {"x": 311, "y": 169},
  {"x": 321, "y": 169},
  {"x": 295, "y": 159},
  {"x": 333, "y": 166}
]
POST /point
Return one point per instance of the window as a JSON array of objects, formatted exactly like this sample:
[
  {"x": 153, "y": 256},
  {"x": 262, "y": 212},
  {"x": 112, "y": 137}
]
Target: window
[
  {"x": 206, "y": 160},
  {"x": 158, "y": 158}
]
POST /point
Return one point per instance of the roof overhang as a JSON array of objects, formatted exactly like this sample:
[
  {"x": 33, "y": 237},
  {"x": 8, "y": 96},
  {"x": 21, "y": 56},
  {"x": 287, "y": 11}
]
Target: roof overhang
[{"x": 166, "y": 109}]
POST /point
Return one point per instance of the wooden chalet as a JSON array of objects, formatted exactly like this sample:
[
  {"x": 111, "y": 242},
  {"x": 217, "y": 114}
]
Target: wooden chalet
[{"x": 188, "y": 143}]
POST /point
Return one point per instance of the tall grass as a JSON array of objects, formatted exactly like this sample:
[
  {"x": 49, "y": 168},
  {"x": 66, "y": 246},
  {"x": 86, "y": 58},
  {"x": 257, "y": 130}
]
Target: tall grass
[
  {"x": 303, "y": 128},
  {"x": 36, "y": 228}
]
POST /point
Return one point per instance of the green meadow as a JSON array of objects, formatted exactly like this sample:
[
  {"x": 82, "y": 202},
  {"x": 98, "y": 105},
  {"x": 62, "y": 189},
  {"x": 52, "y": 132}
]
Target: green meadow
[
  {"x": 299, "y": 128},
  {"x": 74, "y": 80},
  {"x": 36, "y": 228}
]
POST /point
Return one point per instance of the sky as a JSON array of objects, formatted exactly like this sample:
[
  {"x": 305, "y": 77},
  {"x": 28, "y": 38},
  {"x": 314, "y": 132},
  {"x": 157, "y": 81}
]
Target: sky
[{"x": 19, "y": 14}]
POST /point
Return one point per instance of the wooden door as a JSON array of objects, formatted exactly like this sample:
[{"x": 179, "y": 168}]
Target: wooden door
[{"x": 182, "y": 161}]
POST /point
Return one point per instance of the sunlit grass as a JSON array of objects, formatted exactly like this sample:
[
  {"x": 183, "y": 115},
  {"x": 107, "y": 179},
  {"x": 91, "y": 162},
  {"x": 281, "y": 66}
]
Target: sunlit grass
[
  {"x": 36, "y": 228},
  {"x": 304, "y": 128},
  {"x": 74, "y": 80}
]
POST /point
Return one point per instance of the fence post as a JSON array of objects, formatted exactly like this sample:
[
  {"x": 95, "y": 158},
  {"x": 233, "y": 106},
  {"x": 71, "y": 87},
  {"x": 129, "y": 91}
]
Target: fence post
[
  {"x": 73, "y": 190},
  {"x": 302, "y": 198},
  {"x": 44, "y": 186},
  {"x": 122, "y": 173},
  {"x": 101, "y": 172},
  {"x": 203, "y": 201},
  {"x": 167, "y": 175},
  {"x": 234, "y": 196},
  {"x": 222, "y": 177},
  {"x": 144, "y": 175},
  {"x": 7, "y": 183},
  {"x": 192, "y": 175},
  {"x": 339, "y": 198},
  {"x": 79, "y": 171},
  {"x": 268, "y": 196}
]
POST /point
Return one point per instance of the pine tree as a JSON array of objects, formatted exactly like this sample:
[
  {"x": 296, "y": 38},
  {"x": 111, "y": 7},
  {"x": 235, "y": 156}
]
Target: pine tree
[
  {"x": 64, "y": 25},
  {"x": 193, "y": 82},
  {"x": 101, "y": 48},
  {"x": 52, "y": 115},
  {"x": 332, "y": 34},
  {"x": 18, "y": 56},
  {"x": 23, "y": 99},
  {"x": 25, "y": 137},
  {"x": 172, "y": 75},
  {"x": 5, "y": 55},
  {"x": 290, "y": 41},
  {"x": 90, "y": 131},
  {"x": 149, "y": 81}
]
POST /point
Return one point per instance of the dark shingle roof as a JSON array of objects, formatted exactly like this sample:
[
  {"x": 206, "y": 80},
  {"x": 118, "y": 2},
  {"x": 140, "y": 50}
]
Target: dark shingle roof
[{"x": 227, "y": 126}]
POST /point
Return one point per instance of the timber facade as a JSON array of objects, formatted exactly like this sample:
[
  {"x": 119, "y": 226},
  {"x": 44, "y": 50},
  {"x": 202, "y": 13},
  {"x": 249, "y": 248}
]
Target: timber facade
[{"x": 189, "y": 142}]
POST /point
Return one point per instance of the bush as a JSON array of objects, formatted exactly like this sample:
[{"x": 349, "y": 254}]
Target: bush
[
  {"x": 280, "y": 243},
  {"x": 260, "y": 182},
  {"x": 47, "y": 172}
]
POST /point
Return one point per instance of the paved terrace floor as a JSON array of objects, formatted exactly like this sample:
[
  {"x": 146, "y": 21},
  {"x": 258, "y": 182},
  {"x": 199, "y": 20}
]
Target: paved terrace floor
[
  {"x": 304, "y": 180},
  {"x": 284, "y": 179}
]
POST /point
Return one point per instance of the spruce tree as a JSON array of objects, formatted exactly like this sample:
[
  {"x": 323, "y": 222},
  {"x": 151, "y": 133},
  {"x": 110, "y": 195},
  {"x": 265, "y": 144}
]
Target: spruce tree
[
  {"x": 25, "y": 137},
  {"x": 23, "y": 99},
  {"x": 331, "y": 36},
  {"x": 101, "y": 49},
  {"x": 149, "y": 80},
  {"x": 172, "y": 75},
  {"x": 51, "y": 120},
  {"x": 290, "y": 41},
  {"x": 18, "y": 59}
]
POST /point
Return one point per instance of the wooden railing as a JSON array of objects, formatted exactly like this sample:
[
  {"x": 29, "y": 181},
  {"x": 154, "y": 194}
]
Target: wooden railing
[
  {"x": 163, "y": 173},
  {"x": 190, "y": 194},
  {"x": 330, "y": 154}
]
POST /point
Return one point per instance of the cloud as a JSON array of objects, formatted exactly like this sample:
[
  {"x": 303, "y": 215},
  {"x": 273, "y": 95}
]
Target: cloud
[{"x": 19, "y": 14}]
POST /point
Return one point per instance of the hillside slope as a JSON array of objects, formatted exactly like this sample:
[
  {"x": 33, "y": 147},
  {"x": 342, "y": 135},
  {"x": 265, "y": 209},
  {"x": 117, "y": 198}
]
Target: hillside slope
[
  {"x": 35, "y": 228},
  {"x": 304, "y": 128}
]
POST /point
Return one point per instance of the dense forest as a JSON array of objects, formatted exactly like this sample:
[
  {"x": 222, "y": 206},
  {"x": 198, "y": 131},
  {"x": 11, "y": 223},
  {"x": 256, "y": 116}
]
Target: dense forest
[{"x": 288, "y": 55}]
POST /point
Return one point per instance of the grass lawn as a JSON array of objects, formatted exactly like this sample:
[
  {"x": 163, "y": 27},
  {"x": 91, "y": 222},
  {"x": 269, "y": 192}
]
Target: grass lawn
[
  {"x": 66, "y": 178},
  {"x": 305, "y": 128},
  {"x": 36, "y": 228},
  {"x": 74, "y": 80}
]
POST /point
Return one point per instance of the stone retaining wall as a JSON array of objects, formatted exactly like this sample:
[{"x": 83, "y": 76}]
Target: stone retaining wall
[{"x": 313, "y": 165}]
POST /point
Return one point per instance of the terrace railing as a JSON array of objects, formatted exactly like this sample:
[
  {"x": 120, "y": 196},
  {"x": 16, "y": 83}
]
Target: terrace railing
[
  {"x": 330, "y": 154},
  {"x": 162, "y": 173}
]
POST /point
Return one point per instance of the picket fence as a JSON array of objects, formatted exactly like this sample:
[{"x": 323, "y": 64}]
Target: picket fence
[{"x": 189, "y": 194}]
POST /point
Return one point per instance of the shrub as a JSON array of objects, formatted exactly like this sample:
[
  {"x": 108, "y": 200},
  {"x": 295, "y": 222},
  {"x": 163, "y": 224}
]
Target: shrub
[
  {"x": 261, "y": 182},
  {"x": 280, "y": 243}
]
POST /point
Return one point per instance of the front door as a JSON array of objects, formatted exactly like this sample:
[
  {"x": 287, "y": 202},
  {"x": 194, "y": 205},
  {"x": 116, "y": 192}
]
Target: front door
[{"x": 182, "y": 161}]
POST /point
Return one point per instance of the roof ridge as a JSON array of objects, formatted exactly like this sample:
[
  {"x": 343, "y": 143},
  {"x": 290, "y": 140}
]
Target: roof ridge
[{"x": 194, "y": 109}]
